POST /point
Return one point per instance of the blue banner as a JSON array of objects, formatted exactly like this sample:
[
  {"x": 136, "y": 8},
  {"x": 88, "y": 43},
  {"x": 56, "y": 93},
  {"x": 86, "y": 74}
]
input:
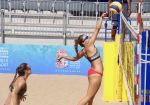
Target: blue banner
[{"x": 43, "y": 59}]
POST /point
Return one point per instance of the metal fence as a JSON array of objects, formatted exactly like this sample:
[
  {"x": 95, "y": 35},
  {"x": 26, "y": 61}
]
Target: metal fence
[{"x": 40, "y": 18}]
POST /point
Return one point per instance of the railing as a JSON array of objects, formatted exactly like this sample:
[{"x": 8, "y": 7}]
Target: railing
[
  {"x": 89, "y": 8},
  {"x": 51, "y": 18},
  {"x": 2, "y": 29}
]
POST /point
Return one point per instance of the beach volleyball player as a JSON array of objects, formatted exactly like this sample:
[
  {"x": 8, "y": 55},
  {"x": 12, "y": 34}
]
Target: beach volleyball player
[
  {"x": 89, "y": 50},
  {"x": 18, "y": 86}
]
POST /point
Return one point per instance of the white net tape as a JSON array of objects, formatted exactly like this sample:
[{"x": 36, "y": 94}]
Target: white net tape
[{"x": 132, "y": 30}]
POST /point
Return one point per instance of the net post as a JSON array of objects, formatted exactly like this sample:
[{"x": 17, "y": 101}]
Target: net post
[{"x": 138, "y": 58}]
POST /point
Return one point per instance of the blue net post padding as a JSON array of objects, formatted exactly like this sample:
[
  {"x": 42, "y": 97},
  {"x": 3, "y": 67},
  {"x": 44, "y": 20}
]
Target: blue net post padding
[
  {"x": 106, "y": 24},
  {"x": 119, "y": 25},
  {"x": 145, "y": 89}
]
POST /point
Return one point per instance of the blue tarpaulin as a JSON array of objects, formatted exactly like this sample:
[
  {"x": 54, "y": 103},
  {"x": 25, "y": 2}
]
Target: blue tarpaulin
[{"x": 145, "y": 68}]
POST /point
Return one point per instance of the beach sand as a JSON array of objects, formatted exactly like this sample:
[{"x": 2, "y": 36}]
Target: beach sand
[{"x": 53, "y": 90}]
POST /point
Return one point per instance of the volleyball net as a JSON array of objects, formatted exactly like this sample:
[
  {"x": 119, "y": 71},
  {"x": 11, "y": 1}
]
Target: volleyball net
[
  {"x": 120, "y": 71},
  {"x": 140, "y": 81},
  {"x": 127, "y": 71}
]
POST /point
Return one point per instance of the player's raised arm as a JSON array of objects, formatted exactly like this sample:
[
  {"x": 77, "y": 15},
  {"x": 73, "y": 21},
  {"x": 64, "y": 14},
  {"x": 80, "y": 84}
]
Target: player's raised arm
[{"x": 97, "y": 28}]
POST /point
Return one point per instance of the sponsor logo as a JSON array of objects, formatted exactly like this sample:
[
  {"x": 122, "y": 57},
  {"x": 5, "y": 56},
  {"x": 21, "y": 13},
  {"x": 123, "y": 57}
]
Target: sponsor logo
[{"x": 63, "y": 62}]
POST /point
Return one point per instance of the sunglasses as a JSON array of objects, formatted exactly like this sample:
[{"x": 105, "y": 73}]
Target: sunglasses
[
  {"x": 29, "y": 68},
  {"x": 85, "y": 37}
]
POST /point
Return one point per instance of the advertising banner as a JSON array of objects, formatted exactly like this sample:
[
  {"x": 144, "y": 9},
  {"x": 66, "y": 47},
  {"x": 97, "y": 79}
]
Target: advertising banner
[{"x": 43, "y": 59}]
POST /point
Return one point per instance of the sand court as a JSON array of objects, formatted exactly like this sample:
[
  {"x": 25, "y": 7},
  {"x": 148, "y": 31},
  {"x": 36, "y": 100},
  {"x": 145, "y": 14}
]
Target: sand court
[{"x": 53, "y": 90}]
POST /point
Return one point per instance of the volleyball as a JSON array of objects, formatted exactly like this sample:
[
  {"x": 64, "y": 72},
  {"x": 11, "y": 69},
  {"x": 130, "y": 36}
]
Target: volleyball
[{"x": 115, "y": 7}]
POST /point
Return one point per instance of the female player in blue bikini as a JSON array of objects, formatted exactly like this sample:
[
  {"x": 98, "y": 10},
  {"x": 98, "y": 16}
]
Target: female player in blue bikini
[{"x": 91, "y": 53}]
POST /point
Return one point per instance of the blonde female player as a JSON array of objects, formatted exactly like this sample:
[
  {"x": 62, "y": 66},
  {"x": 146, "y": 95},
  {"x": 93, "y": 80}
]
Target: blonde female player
[
  {"x": 18, "y": 86},
  {"x": 91, "y": 53}
]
